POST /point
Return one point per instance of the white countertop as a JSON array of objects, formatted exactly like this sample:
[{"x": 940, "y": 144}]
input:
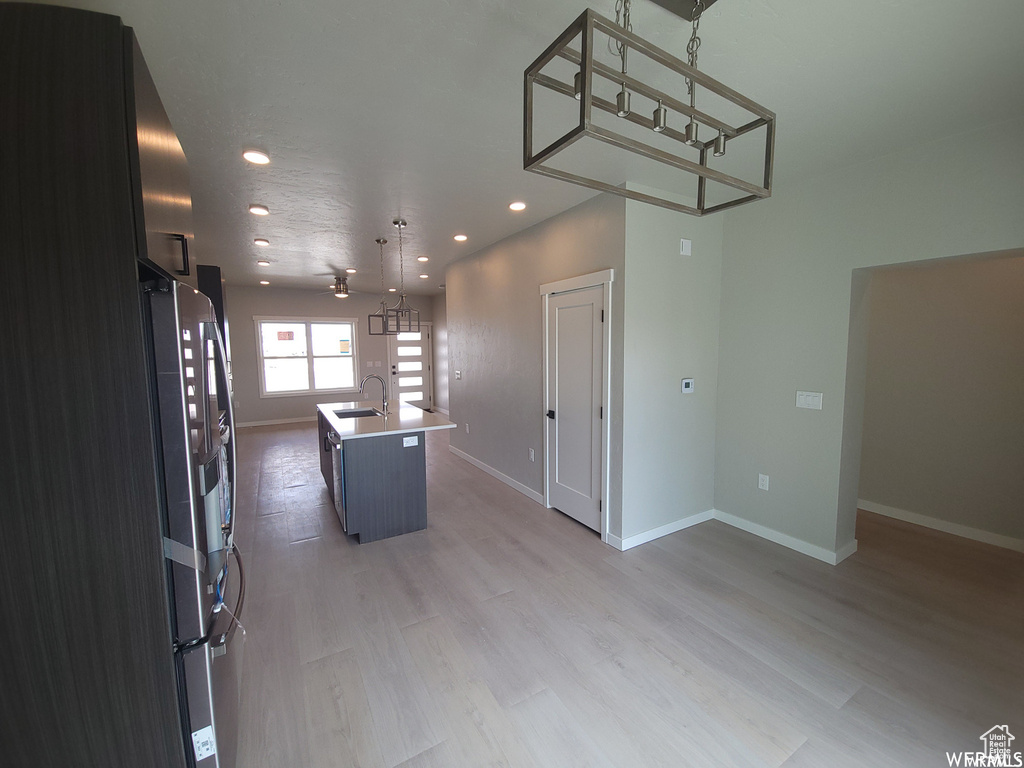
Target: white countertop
[{"x": 402, "y": 418}]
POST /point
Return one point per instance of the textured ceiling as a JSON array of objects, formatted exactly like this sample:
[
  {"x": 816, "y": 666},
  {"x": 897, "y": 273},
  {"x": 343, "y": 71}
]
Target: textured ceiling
[{"x": 375, "y": 109}]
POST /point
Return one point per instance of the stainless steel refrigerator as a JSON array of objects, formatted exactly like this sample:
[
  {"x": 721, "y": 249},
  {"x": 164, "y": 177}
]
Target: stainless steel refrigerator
[{"x": 205, "y": 576}]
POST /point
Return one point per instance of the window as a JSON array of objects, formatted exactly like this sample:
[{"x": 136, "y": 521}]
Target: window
[{"x": 302, "y": 356}]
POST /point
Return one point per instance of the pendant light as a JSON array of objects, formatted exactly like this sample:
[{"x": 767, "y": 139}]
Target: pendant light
[
  {"x": 401, "y": 318},
  {"x": 377, "y": 322},
  {"x": 689, "y": 136},
  {"x": 341, "y": 287}
]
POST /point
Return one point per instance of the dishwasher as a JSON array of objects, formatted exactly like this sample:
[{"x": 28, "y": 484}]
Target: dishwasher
[{"x": 338, "y": 465}]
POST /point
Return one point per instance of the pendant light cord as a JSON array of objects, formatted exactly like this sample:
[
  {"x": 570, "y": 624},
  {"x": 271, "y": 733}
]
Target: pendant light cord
[
  {"x": 622, "y": 8},
  {"x": 694, "y": 45},
  {"x": 401, "y": 260}
]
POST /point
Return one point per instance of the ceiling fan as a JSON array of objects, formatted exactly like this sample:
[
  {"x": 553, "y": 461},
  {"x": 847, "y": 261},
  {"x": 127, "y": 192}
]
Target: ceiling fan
[{"x": 339, "y": 288}]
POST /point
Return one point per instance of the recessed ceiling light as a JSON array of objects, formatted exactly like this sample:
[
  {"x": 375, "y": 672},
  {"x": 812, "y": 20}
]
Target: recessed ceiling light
[
  {"x": 392, "y": 290},
  {"x": 264, "y": 282},
  {"x": 259, "y": 210},
  {"x": 262, "y": 242},
  {"x": 461, "y": 238},
  {"x": 256, "y": 156},
  {"x": 265, "y": 263},
  {"x": 351, "y": 271},
  {"x": 517, "y": 206},
  {"x": 424, "y": 277},
  {"x": 422, "y": 258}
]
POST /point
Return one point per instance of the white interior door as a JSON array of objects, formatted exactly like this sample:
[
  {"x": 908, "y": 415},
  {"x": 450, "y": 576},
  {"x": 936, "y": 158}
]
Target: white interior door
[
  {"x": 574, "y": 397},
  {"x": 411, "y": 360}
]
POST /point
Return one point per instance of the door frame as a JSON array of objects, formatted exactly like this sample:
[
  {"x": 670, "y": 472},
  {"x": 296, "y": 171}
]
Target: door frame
[
  {"x": 428, "y": 328},
  {"x": 603, "y": 279}
]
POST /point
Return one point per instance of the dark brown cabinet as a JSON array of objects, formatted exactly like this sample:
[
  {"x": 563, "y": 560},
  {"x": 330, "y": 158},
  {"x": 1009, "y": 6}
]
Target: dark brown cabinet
[
  {"x": 93, "y": 189},
  {"x": 378, "y": 484},
  {"x": 164, "y": 230}
]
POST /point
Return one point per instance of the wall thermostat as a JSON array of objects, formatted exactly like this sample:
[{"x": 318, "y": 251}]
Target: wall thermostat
[{"x": 687, "y": 385}]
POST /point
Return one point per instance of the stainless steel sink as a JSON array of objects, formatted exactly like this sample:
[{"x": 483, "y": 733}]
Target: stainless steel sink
[{"x": 356, "y": 413}]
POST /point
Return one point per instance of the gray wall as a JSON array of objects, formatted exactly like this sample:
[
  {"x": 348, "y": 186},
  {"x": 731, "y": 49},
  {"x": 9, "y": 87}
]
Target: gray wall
[
  {"x": 243, "y": 304},
  {"x": 787, "y": 282},
  {"x": 944, "y": 401},
  {"x": 671, "y": 333},
  {"x": 440, "y": 314},
  {"x": 495, "y": 337}
]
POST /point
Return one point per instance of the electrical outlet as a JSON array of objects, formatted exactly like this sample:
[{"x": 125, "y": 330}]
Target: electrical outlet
[
  {"x": 532, "y": 456},
  {"x": 458, "y": 375},
  {"x": 762, "y": 482},
  {"x": 467, "y": 427}
]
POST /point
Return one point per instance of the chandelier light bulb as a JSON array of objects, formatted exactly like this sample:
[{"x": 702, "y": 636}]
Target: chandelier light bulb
[
  {"x": 660, "y": 116},
  {"x": 577, "y": 85},
  {"x": 622, "y": 102},
  {"x": 690, "y": 137},
  {"x": 720, "y": 143}
]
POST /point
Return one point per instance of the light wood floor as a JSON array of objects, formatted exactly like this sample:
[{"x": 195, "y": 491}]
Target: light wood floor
[{"x": 507, "y": 634}]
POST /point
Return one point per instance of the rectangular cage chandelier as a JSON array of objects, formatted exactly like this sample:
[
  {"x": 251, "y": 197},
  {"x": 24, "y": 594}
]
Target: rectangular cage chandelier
[{"x": 589, "y": 80}]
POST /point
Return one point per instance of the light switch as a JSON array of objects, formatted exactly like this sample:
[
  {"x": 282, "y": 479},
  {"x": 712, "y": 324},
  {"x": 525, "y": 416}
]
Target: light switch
[
  {"x": 685, "y": 247},
  {"x": 811, "y": 400}
]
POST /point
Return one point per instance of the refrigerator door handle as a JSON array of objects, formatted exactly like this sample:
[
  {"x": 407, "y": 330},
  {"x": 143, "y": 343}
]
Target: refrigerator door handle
[{"x": 222, "y": 353}]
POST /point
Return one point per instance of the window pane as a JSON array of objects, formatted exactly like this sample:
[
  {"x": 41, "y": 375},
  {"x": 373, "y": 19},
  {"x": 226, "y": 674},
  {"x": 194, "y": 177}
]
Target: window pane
[
  {"x": 414, "y": 396},
  {"x": 409, "y": 366},
  {"x": 409, "y": 351},
  {"x": 286, "y": 375},
  {"x": 332, "y": 339},
  {"x": 410, "y": 381},
  {"x": 333, "y": 373},
  {"x": 283, "y": 339},
  {"x": 409, "y": 336}
]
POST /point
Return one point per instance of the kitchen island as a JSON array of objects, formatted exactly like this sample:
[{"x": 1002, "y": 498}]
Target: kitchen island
[{"x": 375, "y": 465}]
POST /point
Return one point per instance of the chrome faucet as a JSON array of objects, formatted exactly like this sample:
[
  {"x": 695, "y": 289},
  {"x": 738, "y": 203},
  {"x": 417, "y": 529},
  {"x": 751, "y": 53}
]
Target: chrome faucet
[{"x": 384, "y": 390}]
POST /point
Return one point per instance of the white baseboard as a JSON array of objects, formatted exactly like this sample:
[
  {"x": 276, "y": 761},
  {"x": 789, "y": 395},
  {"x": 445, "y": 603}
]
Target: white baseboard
[
  {"x": 799, "y": 545},
  {"x": 526, "y": 491},
  {"x": 976, "y": 534},
  {"x": 300, "y": 420},
  {"x": 656, "y": 533}
]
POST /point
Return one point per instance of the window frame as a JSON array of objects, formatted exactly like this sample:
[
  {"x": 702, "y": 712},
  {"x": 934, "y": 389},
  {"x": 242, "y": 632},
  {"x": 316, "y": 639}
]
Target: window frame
[{"x": 308, "y": 322}]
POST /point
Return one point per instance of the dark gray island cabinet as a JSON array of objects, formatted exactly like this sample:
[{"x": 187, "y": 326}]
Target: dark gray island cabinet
[{"x": 375, "y": 466}]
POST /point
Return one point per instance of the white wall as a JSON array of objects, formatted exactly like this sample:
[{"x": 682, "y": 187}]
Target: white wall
[
  {"x": 787, "y": 282},
  {"x": 671, "y": 333},
  {"x": 244, "y": 303},
  {"x": 944, "y": 403},
  {"x": 440, "y": 314},
  {"x": 495, "y": 338}
]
